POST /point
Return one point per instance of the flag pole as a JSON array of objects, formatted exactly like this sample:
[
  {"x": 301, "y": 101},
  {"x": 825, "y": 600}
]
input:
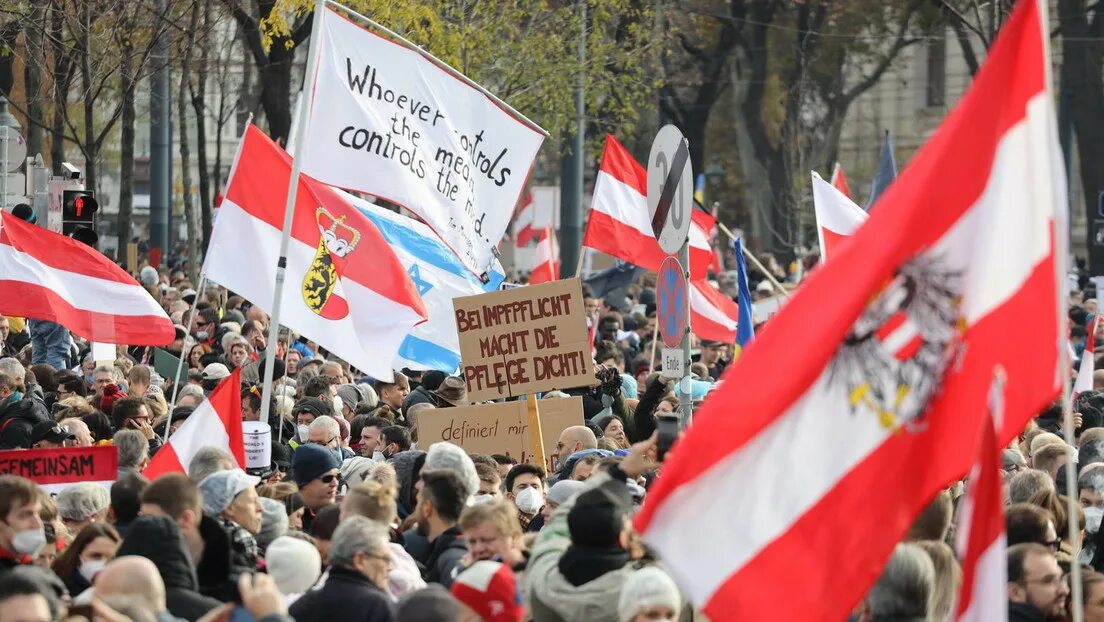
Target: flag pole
[
  {"x": 755, "y": 260},
  {"x": 289, "y": 212},
  {"x": 184, "y": 352},
  {"x": 1077, "y": 608}
]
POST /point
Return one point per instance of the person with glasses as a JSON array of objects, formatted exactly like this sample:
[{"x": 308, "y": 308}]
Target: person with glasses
[
  {"x": 1037, "y": 589},
  {"x": 1027, "y": 522},
  {"x": 356, "y": 586},
  {"x": 325, "y": 431},
  {"x": 315, "y": 470}
]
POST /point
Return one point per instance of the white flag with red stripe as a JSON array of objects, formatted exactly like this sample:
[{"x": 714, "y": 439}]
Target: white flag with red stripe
[
  {"x": 524, "y": 228},
  {"x": 216, "y": 422},
  {"x": 981, "y": 537},
  {"x": 546, "y": 259},
  {"x": 839, "y": 180},
  {"x": 963, "y": 244},
  {"x": 346, "y": 289},
  {"x": 48, "y": 276},
  {"x": 619, "y": 222},
  {"x": 837, "y": 216},
  {"x": 1085, "y": 371},
  {"x": 713, "y": 315}
]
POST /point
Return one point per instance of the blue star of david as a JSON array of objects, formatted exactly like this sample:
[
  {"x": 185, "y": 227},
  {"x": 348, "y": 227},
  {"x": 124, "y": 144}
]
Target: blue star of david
[{"x": 416, "y": 276}]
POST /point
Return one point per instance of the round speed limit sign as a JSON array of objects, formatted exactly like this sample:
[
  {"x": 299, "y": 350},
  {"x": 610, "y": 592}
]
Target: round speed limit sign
[{"x": 670, "y": 188}]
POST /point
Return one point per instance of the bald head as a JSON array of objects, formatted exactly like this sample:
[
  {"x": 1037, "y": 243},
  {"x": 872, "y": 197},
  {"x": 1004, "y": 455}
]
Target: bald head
[
  {"x": 79, "y": 429},
  {"x": 573, "y": 439},
  {"x": 133, "y": 576}
]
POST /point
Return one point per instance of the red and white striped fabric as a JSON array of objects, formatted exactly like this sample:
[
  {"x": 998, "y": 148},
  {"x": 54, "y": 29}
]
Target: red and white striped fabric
[
  {"x": 969, "y": 223},
  {"x": 216, "y": 422},
  {"x": 1085, "y": 371},
  {"x": 837, "y": 217},
  {"x": 524, "y": 221},
  {"x": 839, "y": 180},
  {"x": 546, "y": 259},
  {"x": 619, "y": 222},
  {"x": 981, "y": 537},
  {"x": 712, "y": 314},
  {"x": 361, "y": 309},
  {"x": 48, "y": 276}
]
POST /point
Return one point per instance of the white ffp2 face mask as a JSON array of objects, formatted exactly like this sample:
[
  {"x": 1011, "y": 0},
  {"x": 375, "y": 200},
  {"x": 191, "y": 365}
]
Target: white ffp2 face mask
[
  {"x": 29, "y": 541},
  {"x": 304, "y": 433},
  {"x": 529, "y": 500},
  {"x": 88, "y": 569}
]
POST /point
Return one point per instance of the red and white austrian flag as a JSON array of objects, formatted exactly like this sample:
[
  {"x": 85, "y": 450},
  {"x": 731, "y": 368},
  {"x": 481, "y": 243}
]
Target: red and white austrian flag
[
  {"x": 48, "y": 276},
  {"x": 837, "y": 216},
  {"x": 961, "y": 249},
  {"x": 619, "y": 223},
  {"x": 216, "y": 422}
]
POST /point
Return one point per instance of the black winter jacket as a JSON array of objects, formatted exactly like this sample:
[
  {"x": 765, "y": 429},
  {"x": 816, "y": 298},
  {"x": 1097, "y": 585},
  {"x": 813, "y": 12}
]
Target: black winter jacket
[
  {"x": 347, "y": 596},
  {"x": 158, "y": 539}
]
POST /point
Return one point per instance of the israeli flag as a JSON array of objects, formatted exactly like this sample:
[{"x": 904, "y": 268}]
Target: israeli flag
[{"x": 439, "y": 277}]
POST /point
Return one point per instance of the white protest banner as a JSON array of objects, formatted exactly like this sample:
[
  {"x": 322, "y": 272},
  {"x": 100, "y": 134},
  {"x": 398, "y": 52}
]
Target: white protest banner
[
  {"x": 396, "y": 123},
  {"x": 257, "y": 440}
]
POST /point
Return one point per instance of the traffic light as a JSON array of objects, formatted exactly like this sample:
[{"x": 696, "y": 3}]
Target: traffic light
[{"x": 78, "y": 211}]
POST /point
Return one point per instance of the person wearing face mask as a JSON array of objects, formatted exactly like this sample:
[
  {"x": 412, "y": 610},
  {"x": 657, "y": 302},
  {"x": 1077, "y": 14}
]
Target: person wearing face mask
[
  {"x": 525, "y": 487},
  {"x": 395, "y": 439},
  {"x": 305, "y": 412},
  {"x": 86, "y": 555},
  {"x": 21, "y": 532}
]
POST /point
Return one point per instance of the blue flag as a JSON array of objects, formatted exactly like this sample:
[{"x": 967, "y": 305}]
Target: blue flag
[
  {"x": 884, "y": 174},
  {"x": 745, "y": 323},
  {"x": 439, "y": 277},
  {"x": 611, "y": 279}
]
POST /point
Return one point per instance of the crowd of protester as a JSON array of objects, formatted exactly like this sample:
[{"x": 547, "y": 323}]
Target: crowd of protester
[{"x": 356, "y": 518}]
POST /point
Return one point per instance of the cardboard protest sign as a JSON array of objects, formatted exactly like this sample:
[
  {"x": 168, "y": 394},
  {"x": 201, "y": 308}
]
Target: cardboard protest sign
[
  {"x": 391, "y": 121},
  {"x": 524, "y": 340},
  {"x": 56, "y": 469},
  {"x": 500, "y": 428}
]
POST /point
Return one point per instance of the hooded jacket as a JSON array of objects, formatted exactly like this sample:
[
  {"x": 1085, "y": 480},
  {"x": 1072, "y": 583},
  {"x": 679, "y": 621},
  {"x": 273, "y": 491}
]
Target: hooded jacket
[
  {"x": 18, "y": 418},
  {"x": 158, "y": 539},
  {"x": 551, "y": 596},
  {"x": 447, "y": 550}
]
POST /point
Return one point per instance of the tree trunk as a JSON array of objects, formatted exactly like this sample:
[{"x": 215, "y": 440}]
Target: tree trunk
[
  {"x": 126, "y": 151},
  {"x": 1082, "y": 55},
  {"x": 199, "y": 104},
  {"x": 9, "y": 32},
  {"x": 90, "y": 148},
  {"x": 32, "y": 79},
  {"x": 276, "y": 96},
  {"x": 185, "y": 150},
  {"x": 62, "y": 77}
]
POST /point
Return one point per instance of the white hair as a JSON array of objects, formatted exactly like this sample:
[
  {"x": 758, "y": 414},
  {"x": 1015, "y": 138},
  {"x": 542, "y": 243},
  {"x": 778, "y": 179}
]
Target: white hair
[
  {"x": 81, "y": 501},
  {"x": 904, "y": 590},
  {"x": 354, "y": 535},
  {"x": 12, "y": 368},
  {"x": 133, "y": 448},
  {"x": 192, "y": 390},
  {"x": 327, "y": 423}
]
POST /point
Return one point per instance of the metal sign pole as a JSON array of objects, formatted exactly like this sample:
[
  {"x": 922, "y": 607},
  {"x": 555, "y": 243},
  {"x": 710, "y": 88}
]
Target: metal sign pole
[{"x": 686, "y": 401}]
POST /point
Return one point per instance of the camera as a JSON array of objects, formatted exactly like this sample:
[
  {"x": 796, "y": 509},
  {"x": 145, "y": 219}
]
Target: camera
[{"x": 70, "y": 171}]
